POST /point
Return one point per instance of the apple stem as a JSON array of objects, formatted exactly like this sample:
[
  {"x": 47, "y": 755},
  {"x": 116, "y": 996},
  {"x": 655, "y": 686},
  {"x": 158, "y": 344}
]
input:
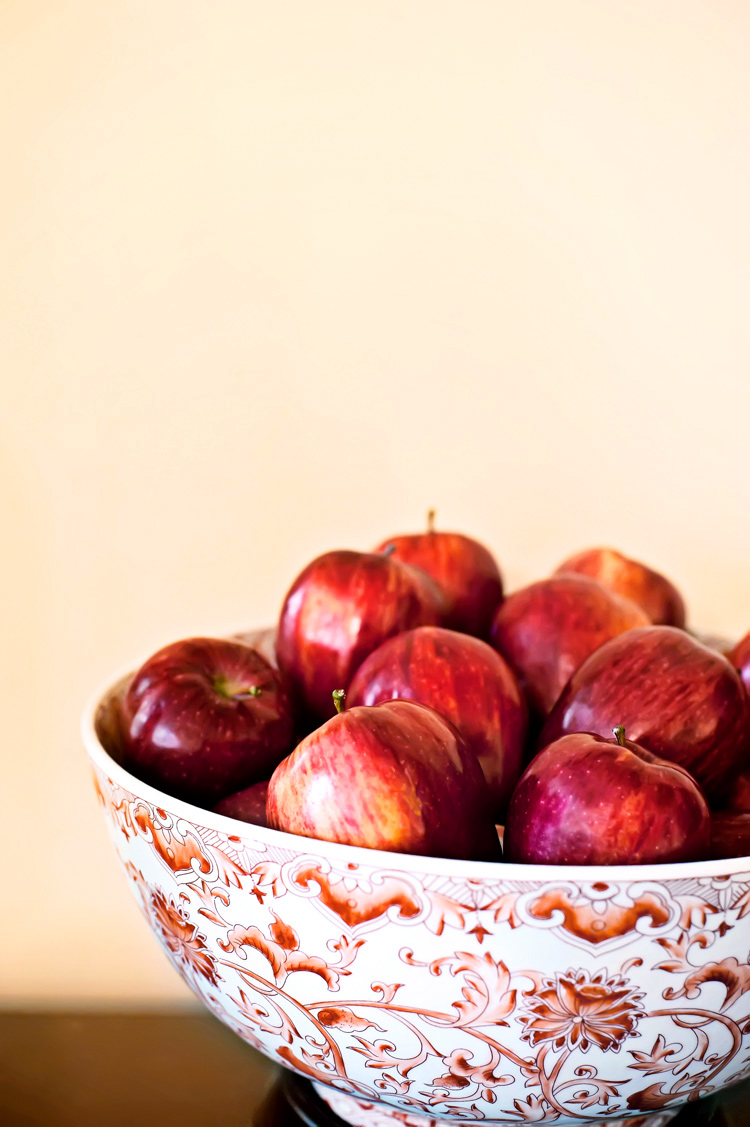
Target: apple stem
[
  {"x": 226, "y": 687},
  {"x": 431, "y": 520},
  {"x": 619, "y": 734},
  {"x": 388, "y": 550},
  {"x": 338, "y": 699}
]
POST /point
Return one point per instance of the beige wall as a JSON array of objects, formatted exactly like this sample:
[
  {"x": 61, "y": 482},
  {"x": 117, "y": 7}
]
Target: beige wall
[{"x": 275, "y": 277}]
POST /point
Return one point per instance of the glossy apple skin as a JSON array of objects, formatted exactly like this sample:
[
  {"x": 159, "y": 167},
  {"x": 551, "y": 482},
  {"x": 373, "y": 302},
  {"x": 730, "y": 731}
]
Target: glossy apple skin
[
  {"x": 195, "y": 739},
  {"x": 464, "y": 570},
  {"x": 546, "y": 630},
  {"x": 338, "y": 610},
  {"x": 396, "y": 776},
  {"x": 652, "y": 592},
  {"x": 248, "y": 805},
  {"x": 675, "y": 697},
  {"x": 463, "y": 679},
  {"x": 730, "y": 834},
  {"x": 585, "y": 800}
]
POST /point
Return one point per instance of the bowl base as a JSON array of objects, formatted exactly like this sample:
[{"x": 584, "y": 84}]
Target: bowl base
[{"x": 349, "y": 1111}]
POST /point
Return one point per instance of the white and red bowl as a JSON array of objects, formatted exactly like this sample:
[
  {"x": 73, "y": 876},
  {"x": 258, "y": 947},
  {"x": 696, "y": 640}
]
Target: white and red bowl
[{"x": 418, "y": 990}]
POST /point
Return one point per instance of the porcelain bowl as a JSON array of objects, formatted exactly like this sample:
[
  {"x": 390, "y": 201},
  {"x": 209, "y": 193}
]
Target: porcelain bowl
[{"x": 418, "y": 989}]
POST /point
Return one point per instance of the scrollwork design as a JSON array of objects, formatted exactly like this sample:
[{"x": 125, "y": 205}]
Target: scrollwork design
[{"x": 275, "y": 944}]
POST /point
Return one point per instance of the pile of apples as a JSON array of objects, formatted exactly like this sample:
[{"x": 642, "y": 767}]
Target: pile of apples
[{"x": 405, "y": 703}]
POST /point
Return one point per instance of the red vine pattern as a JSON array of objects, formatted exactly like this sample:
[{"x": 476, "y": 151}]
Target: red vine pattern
[{"x": 409, "y": 995}]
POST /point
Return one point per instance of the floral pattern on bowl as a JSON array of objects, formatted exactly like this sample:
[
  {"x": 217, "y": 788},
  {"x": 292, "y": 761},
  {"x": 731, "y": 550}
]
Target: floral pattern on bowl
[{"x": 440, "y": 989}]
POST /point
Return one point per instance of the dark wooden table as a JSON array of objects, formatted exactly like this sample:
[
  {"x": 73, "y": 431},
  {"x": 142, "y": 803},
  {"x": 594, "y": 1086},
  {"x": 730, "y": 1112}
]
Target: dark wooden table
[{"x": 177, "y": 1070}]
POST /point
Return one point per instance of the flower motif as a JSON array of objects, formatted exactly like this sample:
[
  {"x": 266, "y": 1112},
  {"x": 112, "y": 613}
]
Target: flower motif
[
  {"x": 576, "y": 1010},
  {"x": 185, "y": 945}
]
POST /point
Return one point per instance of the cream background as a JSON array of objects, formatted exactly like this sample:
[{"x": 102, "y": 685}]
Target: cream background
[{"x": 275, "y": 277}]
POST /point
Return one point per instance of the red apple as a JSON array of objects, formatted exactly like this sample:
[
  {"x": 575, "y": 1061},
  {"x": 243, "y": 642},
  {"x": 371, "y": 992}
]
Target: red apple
[
  {"x": 547, "y": 629},
  {"x": 675, "y": 696},
  {"x": 338, "y": 610},
  {"x": 248, "y": 805},
  {"x": 464, "y": 680},
  {"x": 395, "y": 776},
  {"x": 204, "y": 717},
  {"x": 585, "y": 800},
  {"x": 653, "y": 592},
  {"x": 464, "y": 570},
  {"x": 730, "y": 834},
  {"x": 740, "y": 659}
]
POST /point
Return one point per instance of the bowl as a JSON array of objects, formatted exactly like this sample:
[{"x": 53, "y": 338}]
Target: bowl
[{"x": 421, "y": 990}]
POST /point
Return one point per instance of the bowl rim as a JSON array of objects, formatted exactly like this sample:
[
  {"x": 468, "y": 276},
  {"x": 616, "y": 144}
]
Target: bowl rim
[{"x": 495, "y": 871}]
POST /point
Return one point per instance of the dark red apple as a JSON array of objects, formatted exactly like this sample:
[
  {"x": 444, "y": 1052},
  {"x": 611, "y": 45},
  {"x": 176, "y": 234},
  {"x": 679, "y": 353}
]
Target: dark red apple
[
  {"x": 648, "y": 589},
  {"x": 547, "y": 629},
  {"x": 585, "y": 800},
  {"x": 675, "y": 696},
  {"x": 740, "y": 659},
  {"x": 464, "y": 570},
  {"x": 464, "y": 680},
  {"x": 730, "y": 834},
  {"x": 395, "y": 776},
  {"x": 338, "y": 610},
  {"x": 248, "y": 805},
  {"x": 205, "y": 717}
]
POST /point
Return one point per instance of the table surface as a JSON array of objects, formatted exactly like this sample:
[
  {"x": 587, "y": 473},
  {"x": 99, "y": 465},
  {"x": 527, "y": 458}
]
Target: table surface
[{"x": 174, "y": 1070}]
